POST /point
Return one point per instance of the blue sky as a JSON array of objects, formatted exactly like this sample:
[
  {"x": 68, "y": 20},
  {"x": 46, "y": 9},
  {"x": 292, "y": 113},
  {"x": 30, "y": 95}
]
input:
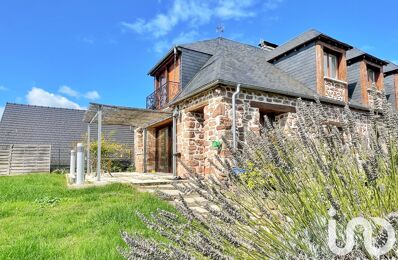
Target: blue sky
[{"x": 69, "y": 53}]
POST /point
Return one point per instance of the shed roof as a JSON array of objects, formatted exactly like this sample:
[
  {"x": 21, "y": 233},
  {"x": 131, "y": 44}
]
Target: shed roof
[
  {"x": 59, "y": 127},
  {"x": 120, "y": 115}
]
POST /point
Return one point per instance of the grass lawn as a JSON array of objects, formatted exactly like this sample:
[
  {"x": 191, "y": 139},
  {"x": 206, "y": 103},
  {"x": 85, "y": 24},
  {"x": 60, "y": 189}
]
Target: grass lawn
[{"x": 41, "y": 219}]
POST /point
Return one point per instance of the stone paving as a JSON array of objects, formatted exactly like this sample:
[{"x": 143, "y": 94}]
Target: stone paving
[
  {"x": 134, "y": 178},
  {"x": 147, "y": 182}
]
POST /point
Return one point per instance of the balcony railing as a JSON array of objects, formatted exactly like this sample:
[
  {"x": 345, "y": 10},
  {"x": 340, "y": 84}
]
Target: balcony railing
[{"x": 162, "y": 95}]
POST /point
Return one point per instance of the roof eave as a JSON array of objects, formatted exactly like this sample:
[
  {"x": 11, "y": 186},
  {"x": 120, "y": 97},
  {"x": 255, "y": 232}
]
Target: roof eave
[
  {"x": 368, "y": 57},
  {"x": 391, "y": 72},
  {"x": 286, "y": 93},
  {"x": 322, "y": 37},
  {"x": 162, "y": 60},
  {"x": 342, "y": 44}
]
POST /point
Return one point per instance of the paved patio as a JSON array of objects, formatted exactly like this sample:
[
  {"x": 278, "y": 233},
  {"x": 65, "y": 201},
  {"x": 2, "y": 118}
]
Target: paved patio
[
  {"x": 149, "y": 182},
  {"x": 134, "y": 178}
]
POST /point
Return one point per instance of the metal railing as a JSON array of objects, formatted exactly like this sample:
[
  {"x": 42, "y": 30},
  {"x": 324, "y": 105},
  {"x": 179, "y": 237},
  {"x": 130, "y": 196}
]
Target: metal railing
[{"x": 162, "y": 95}]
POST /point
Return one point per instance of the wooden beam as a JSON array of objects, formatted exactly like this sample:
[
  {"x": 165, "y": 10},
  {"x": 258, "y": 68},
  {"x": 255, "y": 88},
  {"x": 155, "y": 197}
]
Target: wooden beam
[
  {"x": 363, "y": 76},
  {"x": 197, "y": 107},
  {"x": 331, "y": 47},
  {"x": 343, "y": 73},
  {"x": 380, "y": 80},
  {"x": 265, "y": 107},
  {"x": 320, "y": 82}
]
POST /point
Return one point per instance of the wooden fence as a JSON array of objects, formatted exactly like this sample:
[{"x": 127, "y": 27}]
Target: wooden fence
[{"x": 20, "y": 158}]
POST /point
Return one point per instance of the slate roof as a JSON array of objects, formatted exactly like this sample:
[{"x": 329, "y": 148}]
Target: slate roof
[
  {"x": 234, "y": 62},
  {"x": 59, "y": 127},
  {"x": 303, "y": 38},
  {"x": 356, "y": 53},
  {"x": 390, "y": 67}
]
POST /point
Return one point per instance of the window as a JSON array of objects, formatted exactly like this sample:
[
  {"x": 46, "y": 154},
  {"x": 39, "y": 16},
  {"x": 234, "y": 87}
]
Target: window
[
  {"x": 371, "y": 76},
  {"x": 330, "y": 63}
]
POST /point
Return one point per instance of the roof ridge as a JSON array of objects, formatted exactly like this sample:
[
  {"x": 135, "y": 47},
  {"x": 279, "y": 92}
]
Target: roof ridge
[{"x": 29, "y": 105}]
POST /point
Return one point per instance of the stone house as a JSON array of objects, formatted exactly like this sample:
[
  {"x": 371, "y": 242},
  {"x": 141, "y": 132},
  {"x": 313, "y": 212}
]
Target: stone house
[{"x": 195, "y": 83}]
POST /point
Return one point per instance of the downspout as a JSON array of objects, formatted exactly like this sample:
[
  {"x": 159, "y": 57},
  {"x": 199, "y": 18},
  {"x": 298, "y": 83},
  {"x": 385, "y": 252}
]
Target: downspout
[
  {"x": 175, "y": 61},
  {"x": 234, "y": 144},
  {"x": 175, "y": 115}
]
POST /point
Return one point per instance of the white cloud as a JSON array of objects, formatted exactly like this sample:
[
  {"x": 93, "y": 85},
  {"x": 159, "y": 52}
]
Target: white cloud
[
  {"x": 195, "y": 13},
  {"x": 40, "y": 97},
  {"x": 1, "y": 112},
  {"x": 2, "y": 88},
  {"x": 68, "y": 91},
  {"x": 395, "y": 62},
  {"x": 92, "y": 95}
]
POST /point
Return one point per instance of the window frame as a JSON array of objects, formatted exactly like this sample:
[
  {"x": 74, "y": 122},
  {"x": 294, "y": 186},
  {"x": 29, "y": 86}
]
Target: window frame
[
  {"x": 373, "y": 72},
  {"x": 327, "y": 58}
]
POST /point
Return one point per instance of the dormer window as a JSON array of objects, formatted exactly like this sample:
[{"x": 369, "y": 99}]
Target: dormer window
[
  {"x": 371, "y": 76},
  {"x": 330, "y": 63}
]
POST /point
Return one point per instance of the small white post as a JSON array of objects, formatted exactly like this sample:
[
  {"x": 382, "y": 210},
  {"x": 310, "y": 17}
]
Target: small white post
[
  {"x": 72, "y": 169},
  {"x": 80, "y": 165}
]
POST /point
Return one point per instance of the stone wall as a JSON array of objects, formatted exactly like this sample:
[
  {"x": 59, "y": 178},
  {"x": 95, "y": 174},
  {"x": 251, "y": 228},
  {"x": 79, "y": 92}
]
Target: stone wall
[
  {"x": 190, "y": 141},
  {"x": 207, "y": 117},
  {"x": 336, "y": 89},
  {"x": 375, "y": 97},
  {"x": 150, "y": 149}
]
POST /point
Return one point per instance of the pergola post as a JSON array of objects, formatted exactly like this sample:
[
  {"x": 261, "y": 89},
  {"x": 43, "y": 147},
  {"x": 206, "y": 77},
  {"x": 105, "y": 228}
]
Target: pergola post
[
  {"x": 145, "y": 149},
  {"x": 99, "y": 119},
  {"x": 79, "y": 164},
  {"x": 88, "y": 149}
]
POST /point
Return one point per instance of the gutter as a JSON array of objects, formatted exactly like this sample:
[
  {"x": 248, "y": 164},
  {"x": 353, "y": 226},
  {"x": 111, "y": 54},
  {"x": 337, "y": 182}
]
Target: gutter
[{"x": 174, "y": 142}]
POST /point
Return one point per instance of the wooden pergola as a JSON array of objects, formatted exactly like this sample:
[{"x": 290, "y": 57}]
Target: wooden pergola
[{"x": 118, "y": 115}]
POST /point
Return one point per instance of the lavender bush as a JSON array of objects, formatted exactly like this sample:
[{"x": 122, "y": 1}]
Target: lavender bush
[{"x": 278, "y": 208}]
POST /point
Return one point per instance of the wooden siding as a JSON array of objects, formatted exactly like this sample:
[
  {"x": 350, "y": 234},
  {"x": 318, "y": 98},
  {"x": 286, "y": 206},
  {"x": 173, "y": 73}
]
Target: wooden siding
[
  {"x": 363, "y": 75},
  {"x": 301, "y": 65},
  {"x": 191, "y": 63},
  {"x": 17, "y": 159}
]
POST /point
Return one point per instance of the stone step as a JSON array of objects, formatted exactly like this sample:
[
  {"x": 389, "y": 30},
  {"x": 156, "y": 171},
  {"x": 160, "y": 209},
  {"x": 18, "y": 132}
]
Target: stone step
[{"x": 160, "y": 187}]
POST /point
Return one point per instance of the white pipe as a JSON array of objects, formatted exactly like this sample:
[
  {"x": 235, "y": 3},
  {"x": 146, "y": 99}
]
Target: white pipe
[
  {"x": 80, "y": 165},
  {"x": 234, "y": 144},
  {"x": 175, "y": 115},
  {"x": 72, "y": 169},
  {"x": 99, "y": 144}
]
